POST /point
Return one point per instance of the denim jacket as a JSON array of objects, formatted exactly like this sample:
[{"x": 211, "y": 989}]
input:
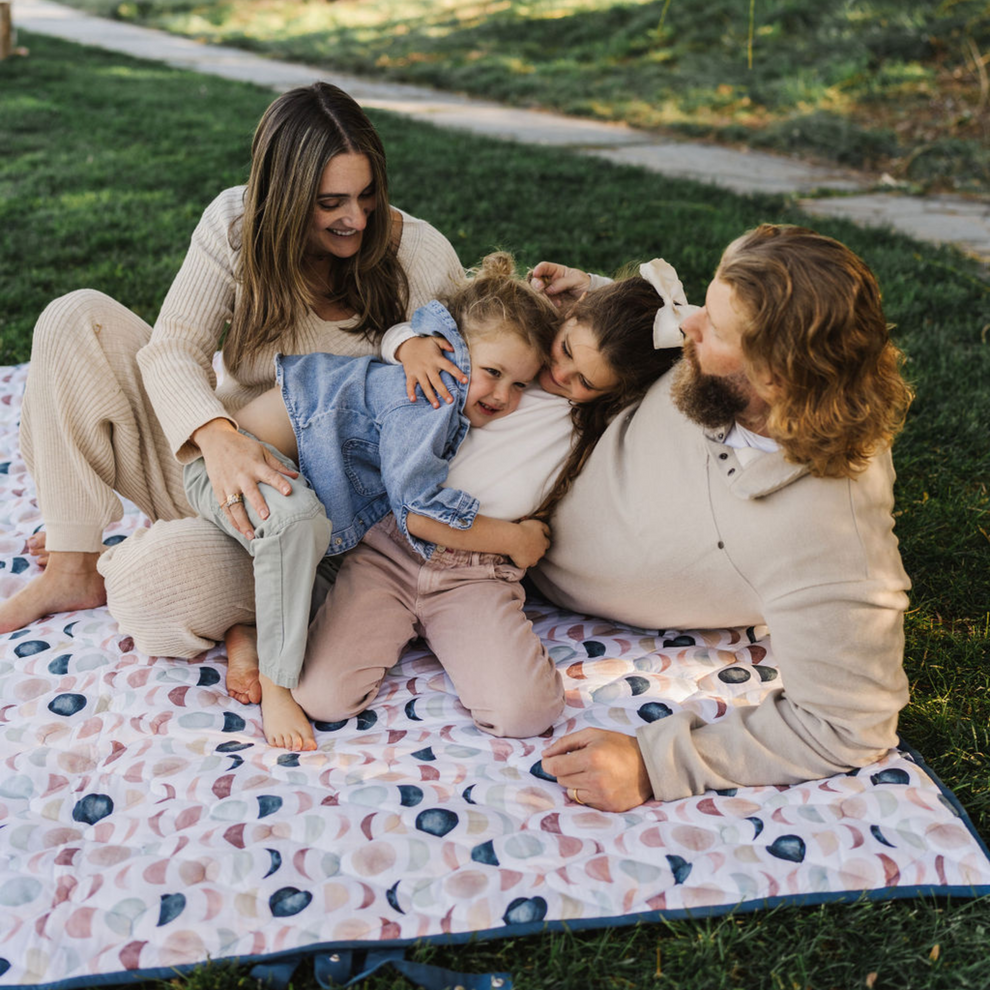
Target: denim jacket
[{"x": 366, "y": 449}]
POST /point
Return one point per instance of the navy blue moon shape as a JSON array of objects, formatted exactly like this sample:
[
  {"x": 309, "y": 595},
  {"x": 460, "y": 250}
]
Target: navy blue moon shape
[
  {"x": 537, "y": 771},
  {"x": 525, "y": 910},
  {"x": 654, "y": 710},
  {"x": 30, "y": 647},
  {"x": 67, "y": 704},
  {"x": 60, "y": 665},
  {"x": 276, "y": 862},
  {"x": 892, "y": 775},
  {"x": 680, "y": 867},
  {"x": 392, "y": 896},
  {"x": 287, "y": 901},
  {"x": 485, "y": 853},
  {"x": 171, "y": 907},
  {"x": 92, "y": 808},
  {"x": 436, "y": 821},
  {"x": 789, "y": 847}
]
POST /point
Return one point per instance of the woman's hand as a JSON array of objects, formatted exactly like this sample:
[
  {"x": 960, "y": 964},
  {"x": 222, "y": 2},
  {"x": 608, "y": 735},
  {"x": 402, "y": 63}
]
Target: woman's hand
[
  {"x": 562, "y": 285},
  {"x": 236, "y": 464},
  {"x": 531, "y": 540},
  {"x": 599, "y": 768},
  {"x": 422, "y": 360}
]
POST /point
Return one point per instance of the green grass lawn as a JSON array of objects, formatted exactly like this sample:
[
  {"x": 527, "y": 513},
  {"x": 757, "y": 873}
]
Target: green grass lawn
[
  {"x": 107, "y": 163},
  {"x": 894, "y": 85}
]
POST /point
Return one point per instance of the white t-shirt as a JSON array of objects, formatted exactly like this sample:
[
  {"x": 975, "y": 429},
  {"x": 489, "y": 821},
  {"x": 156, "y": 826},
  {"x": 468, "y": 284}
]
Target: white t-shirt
[{"x": 510, "y": 464}]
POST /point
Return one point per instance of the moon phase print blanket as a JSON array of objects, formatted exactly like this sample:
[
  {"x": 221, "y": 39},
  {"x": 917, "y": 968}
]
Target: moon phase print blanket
[{"x": 145, "y": 825}]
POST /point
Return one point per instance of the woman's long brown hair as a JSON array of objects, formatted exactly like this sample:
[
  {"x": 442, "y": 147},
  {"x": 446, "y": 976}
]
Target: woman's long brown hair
[{"x": 298, "y": 135}]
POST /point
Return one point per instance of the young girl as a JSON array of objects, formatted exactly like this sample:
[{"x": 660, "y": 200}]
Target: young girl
[
  {"x": 466, "y": 604},
  {"x": 366, "y": 452}
]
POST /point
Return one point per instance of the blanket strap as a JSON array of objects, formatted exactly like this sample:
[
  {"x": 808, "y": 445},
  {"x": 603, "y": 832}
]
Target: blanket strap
[
  {"x": 423, "y": 975},
  {"x": 334, "y": 968},
  {"x": 276, "y": 975},
  {"x": 337, "y": 968}
]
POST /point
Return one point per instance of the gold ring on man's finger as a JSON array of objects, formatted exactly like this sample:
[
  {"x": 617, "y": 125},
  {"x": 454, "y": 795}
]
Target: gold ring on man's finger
[
  {"x": 573, "y": 795},
  {"x": 233, "y": 500}
]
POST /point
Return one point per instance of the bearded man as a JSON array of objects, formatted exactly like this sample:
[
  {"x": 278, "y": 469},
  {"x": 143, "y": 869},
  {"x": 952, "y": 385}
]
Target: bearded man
[{"x": 753, "y": 486}]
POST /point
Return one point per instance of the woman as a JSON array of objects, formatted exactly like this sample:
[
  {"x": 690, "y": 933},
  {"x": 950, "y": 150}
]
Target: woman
[{"x": 308, "y": 256}]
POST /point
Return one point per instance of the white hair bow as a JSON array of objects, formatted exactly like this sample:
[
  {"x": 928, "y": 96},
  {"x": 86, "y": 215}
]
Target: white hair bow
[{"x": 675, "y": 310}]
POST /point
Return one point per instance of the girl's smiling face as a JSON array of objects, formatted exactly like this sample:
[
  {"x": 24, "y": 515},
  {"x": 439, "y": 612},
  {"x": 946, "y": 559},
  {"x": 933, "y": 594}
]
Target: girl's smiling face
[
  {"x": 577, "y": 369},
  {"x": 502, "y": 365},
  {"x": 344, "y": 201}
]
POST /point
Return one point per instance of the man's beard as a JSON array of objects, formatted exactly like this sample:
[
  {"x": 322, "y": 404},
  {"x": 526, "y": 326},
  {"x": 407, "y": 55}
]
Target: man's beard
[{"x": 709, "y": 400}]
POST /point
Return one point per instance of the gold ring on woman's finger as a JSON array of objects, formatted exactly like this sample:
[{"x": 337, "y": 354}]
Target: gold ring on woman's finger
[
  {"x": 573, "y": 795},
  {"x": 233, "y": 500}
]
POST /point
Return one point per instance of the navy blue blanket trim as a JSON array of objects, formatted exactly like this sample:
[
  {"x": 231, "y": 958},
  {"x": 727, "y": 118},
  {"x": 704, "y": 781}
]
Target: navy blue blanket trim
[{"x": 345, "y": 963}]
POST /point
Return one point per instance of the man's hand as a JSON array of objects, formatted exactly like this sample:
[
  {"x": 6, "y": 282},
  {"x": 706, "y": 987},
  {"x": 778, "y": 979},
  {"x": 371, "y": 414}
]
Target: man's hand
[{"x": 601, "y": 769}]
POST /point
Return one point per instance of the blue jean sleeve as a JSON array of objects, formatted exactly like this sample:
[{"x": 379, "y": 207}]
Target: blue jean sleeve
[{"x": 415, "y": 446}]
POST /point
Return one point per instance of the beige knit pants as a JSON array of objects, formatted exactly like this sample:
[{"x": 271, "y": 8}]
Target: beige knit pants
[{"x": 88, "y": 431}]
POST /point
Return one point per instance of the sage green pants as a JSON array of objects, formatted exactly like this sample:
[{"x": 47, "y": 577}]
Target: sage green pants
[{"x": 286, "y": 549}]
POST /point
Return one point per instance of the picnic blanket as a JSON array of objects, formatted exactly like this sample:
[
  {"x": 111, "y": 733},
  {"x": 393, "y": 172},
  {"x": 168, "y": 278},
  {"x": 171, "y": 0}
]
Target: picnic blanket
[{"x": 145, "y": 826}]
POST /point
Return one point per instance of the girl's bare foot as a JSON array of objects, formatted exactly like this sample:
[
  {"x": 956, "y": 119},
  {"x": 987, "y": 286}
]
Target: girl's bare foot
[
  {"x": 285, "y": 723},
  {"x": 243, "y": 684},
  {"x": 70, "y": 582}
]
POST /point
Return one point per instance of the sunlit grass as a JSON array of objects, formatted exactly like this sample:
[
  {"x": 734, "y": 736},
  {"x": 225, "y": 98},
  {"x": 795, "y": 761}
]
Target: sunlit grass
[{"x": 880, "y": 84}]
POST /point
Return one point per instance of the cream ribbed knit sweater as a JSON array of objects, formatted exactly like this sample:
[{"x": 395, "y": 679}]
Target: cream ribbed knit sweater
[{"x": 177, "y": 363}]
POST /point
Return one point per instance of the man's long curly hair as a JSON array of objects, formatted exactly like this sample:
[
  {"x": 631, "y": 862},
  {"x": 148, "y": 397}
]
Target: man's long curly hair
[{"x": 814, "y": 327}]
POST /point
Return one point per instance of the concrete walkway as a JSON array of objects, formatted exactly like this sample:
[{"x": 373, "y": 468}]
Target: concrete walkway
[{"x": 940, "y": 219}]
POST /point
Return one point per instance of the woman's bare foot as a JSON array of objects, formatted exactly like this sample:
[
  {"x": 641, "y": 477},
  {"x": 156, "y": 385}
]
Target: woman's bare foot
[
  {"x": 285, "y": 723},
  {"x": 70, "y": 582},
  {"x": 243, "y": 684},
  {"x": 36, "y": 547}
]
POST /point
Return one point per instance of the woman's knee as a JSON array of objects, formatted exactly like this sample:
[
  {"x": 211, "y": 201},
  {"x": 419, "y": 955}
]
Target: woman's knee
[{"x": 80, "y": 311}]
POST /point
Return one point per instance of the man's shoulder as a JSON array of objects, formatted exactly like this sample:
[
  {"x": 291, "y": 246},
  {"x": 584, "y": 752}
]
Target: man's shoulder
[{"x": 874, "y": 484}]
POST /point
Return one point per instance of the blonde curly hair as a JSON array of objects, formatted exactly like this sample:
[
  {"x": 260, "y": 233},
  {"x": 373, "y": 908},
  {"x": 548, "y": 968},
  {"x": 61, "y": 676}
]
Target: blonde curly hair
[{"x": 493, "y": 297}]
